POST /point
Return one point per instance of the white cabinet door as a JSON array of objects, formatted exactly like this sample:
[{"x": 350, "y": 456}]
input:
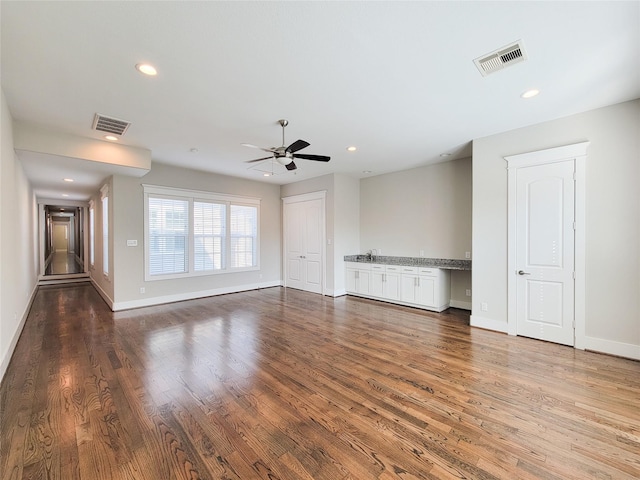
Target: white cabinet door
[
  {"x": 376, "y": 283},
  {"x": 427, "y": 291},
  {"x": 358, "y": 281},
  {"x": 409, "y": 285},
  {"x": 363, "y": 281},
  {"x": 409, "y": 288},
  {"x": 352, "y": 280},
  {"x": 392, "y": 285}
]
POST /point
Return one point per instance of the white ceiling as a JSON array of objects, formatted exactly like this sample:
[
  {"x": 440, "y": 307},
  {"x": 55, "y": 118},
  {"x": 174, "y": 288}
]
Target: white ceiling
[{"x": 395, "y": 79}]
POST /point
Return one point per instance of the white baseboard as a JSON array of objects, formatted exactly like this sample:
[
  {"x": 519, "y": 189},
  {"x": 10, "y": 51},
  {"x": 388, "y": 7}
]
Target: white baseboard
[
  {"x": 337, "y": 293},
  {"x": 179, "y": 297},
  {"x": 488, "y": 324},
  {"x": 16, "y": 335},
  {"x": 620, "y": 349},
  {"x": 102, "y": 293},
  {"x": 459, "y": 304}
]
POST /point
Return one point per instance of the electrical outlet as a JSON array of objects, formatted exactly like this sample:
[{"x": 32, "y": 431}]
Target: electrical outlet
[
  {"x": 484, "y": 306},
  {"x": 142, "y": 290},
  {"x": 467, "y": 255},
  {"x": 468, "y": 292},
  {"x": 379, "y": 251},
  {"x": 422, "y": 253}
]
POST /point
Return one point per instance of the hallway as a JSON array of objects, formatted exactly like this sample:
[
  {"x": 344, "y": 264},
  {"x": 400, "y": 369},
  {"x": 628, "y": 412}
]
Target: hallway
[{"x": 63, "y": 263}]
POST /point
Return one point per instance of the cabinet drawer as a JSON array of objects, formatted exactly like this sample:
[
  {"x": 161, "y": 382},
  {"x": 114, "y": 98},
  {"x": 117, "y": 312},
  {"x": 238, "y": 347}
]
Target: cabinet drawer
[
  {"x": 358, "y": 266},
  {"x": 430, "y": 271},
  {"x": 409, "y": 269},
  {"x": 377, "y": 267},
  {"x": 393, "y": 269}
]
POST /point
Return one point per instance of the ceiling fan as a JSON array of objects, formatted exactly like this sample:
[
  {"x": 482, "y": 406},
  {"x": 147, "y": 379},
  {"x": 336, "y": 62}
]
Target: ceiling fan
[{"x": 285, "y": 155}]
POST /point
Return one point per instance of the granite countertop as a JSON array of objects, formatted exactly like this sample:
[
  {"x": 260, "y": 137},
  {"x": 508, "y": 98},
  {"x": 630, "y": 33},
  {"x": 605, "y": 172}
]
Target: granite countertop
[{"x": 412, "y": 261}]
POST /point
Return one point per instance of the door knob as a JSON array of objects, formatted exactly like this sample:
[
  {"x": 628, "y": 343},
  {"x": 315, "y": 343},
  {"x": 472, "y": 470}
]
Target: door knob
[{"x": 522, "y": 272}]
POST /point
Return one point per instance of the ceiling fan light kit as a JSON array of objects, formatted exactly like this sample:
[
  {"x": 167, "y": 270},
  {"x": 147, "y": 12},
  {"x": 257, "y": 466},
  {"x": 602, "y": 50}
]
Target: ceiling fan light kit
[{"x": 285, "y": 155}]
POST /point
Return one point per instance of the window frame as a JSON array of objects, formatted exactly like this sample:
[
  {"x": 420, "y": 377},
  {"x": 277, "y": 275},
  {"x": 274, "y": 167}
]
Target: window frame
[
  {"x": 192, "y": 196},
  {"x": 92, "y": 234},
  {"x": 105, "y": 230}
]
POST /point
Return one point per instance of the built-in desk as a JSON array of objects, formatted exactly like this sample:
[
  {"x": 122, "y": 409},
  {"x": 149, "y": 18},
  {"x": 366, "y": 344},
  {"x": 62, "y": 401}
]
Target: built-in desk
[{"x": 415, "y": 281}]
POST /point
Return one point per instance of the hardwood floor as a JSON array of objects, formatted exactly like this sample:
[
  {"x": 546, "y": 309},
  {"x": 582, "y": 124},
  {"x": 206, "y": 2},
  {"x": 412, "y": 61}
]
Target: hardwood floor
[{"x": 282, "y": 384}]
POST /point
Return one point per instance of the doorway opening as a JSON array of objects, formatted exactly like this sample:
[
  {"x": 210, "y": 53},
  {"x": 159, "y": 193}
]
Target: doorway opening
[{"x": 63, "y": 244}]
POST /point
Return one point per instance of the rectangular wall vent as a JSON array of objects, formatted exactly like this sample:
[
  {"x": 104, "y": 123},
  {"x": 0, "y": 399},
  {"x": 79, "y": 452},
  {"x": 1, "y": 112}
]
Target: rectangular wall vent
[
  {"x": 501, "y": 58},
  {"x": 106, "y": 124}
]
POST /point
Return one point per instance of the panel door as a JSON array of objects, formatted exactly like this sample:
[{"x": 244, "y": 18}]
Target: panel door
[
  {"x": 295, "y": 245},
  {"x": 313, "y": 239},
  {"x": 304, "y": 237},
  {"x": 409, "y": 288},
  {"x": 376, "y": 283},
  {"x": 392, "y": 284},
  {"x": 545, "y": 252},
  {"x": 427, "y": 291}
]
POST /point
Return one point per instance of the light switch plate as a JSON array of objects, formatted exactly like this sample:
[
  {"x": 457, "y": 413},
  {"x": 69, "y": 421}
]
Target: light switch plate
[{"x": 132, "y": 243}]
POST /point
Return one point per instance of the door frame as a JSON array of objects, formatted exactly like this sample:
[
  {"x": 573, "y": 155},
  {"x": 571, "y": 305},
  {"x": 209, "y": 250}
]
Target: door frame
[
  {"x": 576, "y": 153},
  {"x": 320, "y": 195}
]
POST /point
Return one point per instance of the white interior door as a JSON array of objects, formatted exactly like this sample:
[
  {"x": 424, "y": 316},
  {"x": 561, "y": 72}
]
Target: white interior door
[
  {"x": 545, "y": 202},
  {"x": 60, "y": 237},
  {"x": 304, "y": 235}
]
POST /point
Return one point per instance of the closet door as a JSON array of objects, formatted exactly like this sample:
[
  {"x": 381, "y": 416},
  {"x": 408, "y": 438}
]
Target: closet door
[{"x": 304, "y": 239}]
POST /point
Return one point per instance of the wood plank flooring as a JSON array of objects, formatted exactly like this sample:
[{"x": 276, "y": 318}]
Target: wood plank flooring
[{"x": 283, "y": 384}]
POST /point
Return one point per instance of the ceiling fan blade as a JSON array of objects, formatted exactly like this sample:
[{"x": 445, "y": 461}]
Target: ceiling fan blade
[
  {"x": 291, "y": 166},
  {"x": 259, "y": 159},
  {"x": 259, "y": 148},
  {"x": 317, "y": 158},
  {"x": 297, "y": 145}
]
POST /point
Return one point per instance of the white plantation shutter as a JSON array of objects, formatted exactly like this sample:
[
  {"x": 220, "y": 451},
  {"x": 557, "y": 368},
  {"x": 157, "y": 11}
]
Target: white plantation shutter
[
  {"x": 244, "y": 235},
  {"x": 209, "y": 225},
  {"x": 168, "y": 235},
  {"x": 194, "y": 233}
]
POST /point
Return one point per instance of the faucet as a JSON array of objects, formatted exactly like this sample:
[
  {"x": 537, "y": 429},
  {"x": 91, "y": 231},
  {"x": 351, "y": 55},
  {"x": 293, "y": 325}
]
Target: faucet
[{"x": 368, "y": 256}]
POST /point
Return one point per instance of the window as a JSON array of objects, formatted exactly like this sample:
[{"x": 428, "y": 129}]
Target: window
[
  {"x": 244, "y": 231},
  {"x": 92, "y": 234},
  {"x": 168, "y": 235},
  {"x": 104, "y": 192},
  {"x": 209, "y": 226},
  {"x": 191, "y": 233}
]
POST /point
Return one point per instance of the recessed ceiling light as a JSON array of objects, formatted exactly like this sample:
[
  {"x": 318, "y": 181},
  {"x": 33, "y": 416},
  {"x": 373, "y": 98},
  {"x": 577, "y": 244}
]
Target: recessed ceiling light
[
  {"x": 193, "y": 150},
  {"x": 366, "y": 171},
  {"x": 351, "y": 149},
  {"x": 68, "y": 179},
  {"x": 146, "y": 69},
  {"x": 111, "y": 138},
  {"x": 65, "y": 195},
  {"x": 443, "y": 155},
  {"x": 530, "y": 93},
  {"x": 62, "y": 209},
  {"x": 266, "y": 174}
]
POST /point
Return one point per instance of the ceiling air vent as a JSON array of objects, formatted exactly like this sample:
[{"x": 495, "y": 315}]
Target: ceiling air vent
[
  {"x": 103, "y": 123},
  {"x": 501, "y": 58}
]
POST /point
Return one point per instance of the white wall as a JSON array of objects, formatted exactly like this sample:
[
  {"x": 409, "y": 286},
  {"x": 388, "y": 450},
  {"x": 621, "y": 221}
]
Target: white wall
[
  {"x": 127, "y": 206},
  {"x": 612, "y": 221},
  {"x": 423, "y": 209},
  {"x": 18, "y": 237},
  {"x": 346, "y": 235}
]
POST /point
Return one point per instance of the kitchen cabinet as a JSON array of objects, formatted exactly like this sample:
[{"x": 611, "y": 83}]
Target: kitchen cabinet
[
  {"x": 421, "y": 287},
  {"x": 358, "y": 278},
  {"x": 385, "y": 282}
]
